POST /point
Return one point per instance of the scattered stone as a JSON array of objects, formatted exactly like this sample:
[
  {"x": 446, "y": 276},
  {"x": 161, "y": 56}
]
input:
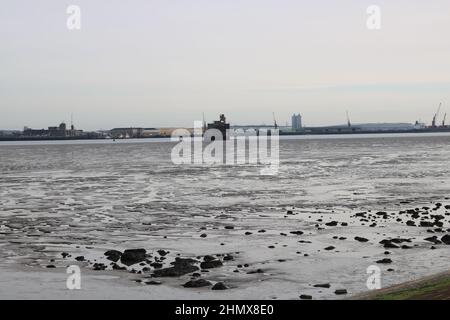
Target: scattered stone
[
  {"x": 361, "y": 239},
  {"x": 99, "y": 266},
  {"x": 113, "y": 255},
  {"x": 153, "y": 282},
  {"x": 255, "y": 271},
  {"x": 305, "y": 297},
  {"x": 79, "y": 258},
  {"x": 323, "y": 285},
  {"x": 385, "y": 261},
  {"x": 211, "y": 264},
  {"x": 329, "y": 248},
  {"x": 340, "y": 291},
  {"x": 219, "y": 286},
  {"x": 162, "y": 252},
  {"x": 180, "y": 267},
  {"x": 115, "y": 266},
  {"x": 297, "y": 232},
  {"x": 203, "y": 235},
  {"x": 197, "y": 283}
]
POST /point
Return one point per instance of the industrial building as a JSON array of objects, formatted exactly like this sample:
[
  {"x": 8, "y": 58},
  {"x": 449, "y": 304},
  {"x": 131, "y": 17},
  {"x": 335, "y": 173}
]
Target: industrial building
[{"x": 60, "y": 131}]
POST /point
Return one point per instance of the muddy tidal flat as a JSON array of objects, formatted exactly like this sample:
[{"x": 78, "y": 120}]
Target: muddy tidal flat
[{"x": 141, "y": 227}]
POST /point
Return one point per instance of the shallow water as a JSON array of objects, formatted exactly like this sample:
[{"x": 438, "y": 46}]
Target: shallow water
[{"x": 86, "y": 197}]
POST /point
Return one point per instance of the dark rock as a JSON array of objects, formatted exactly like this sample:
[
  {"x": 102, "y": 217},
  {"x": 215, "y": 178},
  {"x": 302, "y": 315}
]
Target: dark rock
[
  {"x": 426, "y": 224},
  {"x": 388, "y": 244},
  {"x": 197, "y": 283},
  {"x": 340, "y": 291},
  {"x": 331, "y": 224},
  {"x": 446, "y": 239},
  {"x": 255, "y": 271},
  {"x": 133, "y": 256},
  {"x": 50, "y": 266},
  {"x": 305, "y": 297},
  {"x": 229, "y": 227},
  {"x": 162, "y": 252},
  {"x": 182, "y": 261},
  {"x": 297, "y": 232},
  {"x": 323, "y": 285},
  {"x": 113, "y": 255},
  {"x": 156, "y": 265},
  {"x": 79, "y": 258},
  {"x": 115, "y": 266},
  {"x": 153, "y": 282},
  {"x": 361, "y": 239},
  {"x": 433, "y": 239},
  {"x": 228, "y": 258},
  {"x": 330, "y": 248},
  {"x": 180, "y": 267},
  {"x": 385, "y": 261},
  {"x": 208, "y": 258},
  {"x": 219, "y": 286},
  {"x": 99, "y": 266},
  {"x": 248, "y": 233},
  {"x": 203, "y": 235},
  {"x": 64, "y": 254},
  {"x": 211, "y": 264}
]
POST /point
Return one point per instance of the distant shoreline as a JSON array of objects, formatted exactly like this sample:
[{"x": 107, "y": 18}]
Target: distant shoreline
[{"x": 285, "y": 133}]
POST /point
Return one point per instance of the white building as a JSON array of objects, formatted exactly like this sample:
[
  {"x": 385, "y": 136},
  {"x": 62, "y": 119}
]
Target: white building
[{"x": 296, "y": 122}]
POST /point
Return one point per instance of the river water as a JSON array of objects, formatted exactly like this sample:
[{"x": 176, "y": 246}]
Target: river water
[{"x": 84, "y": 197}]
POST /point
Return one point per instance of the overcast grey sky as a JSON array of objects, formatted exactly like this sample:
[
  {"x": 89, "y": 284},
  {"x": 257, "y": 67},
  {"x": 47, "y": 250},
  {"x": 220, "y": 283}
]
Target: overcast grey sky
[{"x": 164, "y": 62}]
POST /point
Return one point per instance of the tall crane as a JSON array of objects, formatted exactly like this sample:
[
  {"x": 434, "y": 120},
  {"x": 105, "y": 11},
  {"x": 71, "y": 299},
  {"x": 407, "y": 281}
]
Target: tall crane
[
  {"x": 349, "y": 124},
  {"x": 274, "y": 121},
  {"x": 433, "y": 124},
  {"x": 443, "y": 121}
]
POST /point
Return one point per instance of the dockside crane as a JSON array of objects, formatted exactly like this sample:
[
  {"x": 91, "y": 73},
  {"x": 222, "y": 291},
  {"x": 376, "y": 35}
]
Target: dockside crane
[
  {"x": 443, "y": 121},
  {"x": 274, "y": 121},
  {"x": 433, "y": 123}
]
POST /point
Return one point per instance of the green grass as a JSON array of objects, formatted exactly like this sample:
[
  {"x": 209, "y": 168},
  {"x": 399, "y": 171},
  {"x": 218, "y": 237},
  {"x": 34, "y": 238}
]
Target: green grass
[{"x": 418, "y": 293}]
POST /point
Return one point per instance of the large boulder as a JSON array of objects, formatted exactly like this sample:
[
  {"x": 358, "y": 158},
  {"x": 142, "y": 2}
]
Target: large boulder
[
  {"x": 446, "y": 239},
  {"x": 133, "y": 256},
  {"x": 211, "y": 264}
]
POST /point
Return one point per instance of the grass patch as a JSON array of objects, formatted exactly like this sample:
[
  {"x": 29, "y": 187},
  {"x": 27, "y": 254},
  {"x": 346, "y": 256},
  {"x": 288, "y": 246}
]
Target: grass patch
[{"x": 426, "y": 291}]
